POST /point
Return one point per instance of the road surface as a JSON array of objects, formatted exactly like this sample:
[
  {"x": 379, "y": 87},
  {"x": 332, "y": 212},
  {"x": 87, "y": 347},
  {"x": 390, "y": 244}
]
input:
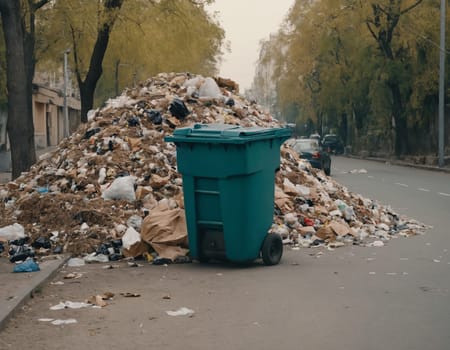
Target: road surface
[{"x": 352, "y": 298}]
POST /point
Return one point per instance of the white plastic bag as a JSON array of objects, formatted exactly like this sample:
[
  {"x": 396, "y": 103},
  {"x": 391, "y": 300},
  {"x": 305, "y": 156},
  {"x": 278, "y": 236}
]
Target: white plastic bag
[
  {"x": 12, "y": 232},
  {"x": 209, "y": 88},
  {"x": 121, "y": 188},
  {"x": 130, "y": 237}
]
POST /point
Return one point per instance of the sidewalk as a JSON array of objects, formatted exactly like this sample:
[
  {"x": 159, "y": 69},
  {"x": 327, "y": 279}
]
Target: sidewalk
[{"x": 17, "y": 288}]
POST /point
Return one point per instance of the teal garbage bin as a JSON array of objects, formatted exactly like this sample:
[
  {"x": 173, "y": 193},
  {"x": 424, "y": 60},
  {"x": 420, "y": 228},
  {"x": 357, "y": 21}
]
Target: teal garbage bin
[{"x": 228, "y": 176}]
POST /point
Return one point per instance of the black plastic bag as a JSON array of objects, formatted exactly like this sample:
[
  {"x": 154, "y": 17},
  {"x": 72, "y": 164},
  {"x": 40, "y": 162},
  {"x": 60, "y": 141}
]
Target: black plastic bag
[
  {"x": 154, "y": 116},
  {"x": 178, "y": 109},
  {"x": 91, "y": 132},
  {"x": 134, "y": 121},
  {"x": 230, "y": 102},
  {"x": 42, "y": 242}
]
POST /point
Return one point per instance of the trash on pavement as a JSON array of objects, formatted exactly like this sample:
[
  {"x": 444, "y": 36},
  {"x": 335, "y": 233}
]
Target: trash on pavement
[
  {"x": 76, "y": 262},
  {"x": 165, "y": 231},
  {"x": 183, "y": 311},
  {"x": 99, "y": 300},
  {"x": 58, "y": 322},
  {"x": 28, "y": 265},
  {"x": 376, "y": 244},
  {"x": 70, "y": 305},
  {"x": 74, "y": 275},
  {"x": 133, "y": 245}
]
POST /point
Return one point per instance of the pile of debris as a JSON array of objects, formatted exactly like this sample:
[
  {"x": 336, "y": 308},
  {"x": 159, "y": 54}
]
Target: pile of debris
[{"x": 106, "y": 183}]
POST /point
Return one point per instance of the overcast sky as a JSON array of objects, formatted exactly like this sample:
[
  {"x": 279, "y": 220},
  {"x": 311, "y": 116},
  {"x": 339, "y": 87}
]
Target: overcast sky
[{"x": 246, "y": 22}]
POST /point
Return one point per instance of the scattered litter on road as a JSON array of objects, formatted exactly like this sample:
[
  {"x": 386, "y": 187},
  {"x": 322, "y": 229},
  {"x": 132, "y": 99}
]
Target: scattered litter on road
[
  {"x": 70, "y": 305},
  {"x": 58, "y": 322},
  {"x": 99, "y": 300},
  {"x": 184, "y": 311},
  {"x": 73, "y": 275},
  {"x": 76, "y": 262},
  {"x": 57, "y": 283},
  {"x": 130, "y": 295},
  {"x": 134, "y": 264},
  {"x": 110, "y": 267},
  {"x": 62, "y": 322}
]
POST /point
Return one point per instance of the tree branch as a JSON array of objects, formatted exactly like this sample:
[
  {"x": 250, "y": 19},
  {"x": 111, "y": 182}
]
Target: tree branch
[
  {"x": 75, "y": 56},
  {"x": 382, "y": 10},
  {"x": 39, "y": 4},
  {"x": 371, "y": 30},
  {"x": 417, "y": 3}
]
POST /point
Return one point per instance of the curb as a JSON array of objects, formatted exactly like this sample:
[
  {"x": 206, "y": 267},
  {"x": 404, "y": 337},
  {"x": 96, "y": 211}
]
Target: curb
[
  {"x": 402, "y": 163},
  {"x": 34, "y": 280}
]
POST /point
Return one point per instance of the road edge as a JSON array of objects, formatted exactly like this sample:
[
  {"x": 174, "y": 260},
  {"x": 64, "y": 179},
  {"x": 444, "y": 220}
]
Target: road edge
[{"x": 38, "y": 279}]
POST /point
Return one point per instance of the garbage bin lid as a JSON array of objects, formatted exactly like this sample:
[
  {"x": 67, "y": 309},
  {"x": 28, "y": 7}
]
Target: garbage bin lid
[{"x": 225, "y": 133}]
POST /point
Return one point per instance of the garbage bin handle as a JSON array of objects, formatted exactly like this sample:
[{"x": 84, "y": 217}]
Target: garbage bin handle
[
  {"x": 228, "y": 131},
  {"x": 206, "y": 131}
]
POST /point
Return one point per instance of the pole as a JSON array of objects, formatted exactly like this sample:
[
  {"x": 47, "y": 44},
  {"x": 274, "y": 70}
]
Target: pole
[
  {"x": 116, "y": 74},
  {"x": 66, "y": 110},
  {"x": 441, "y": 85}
]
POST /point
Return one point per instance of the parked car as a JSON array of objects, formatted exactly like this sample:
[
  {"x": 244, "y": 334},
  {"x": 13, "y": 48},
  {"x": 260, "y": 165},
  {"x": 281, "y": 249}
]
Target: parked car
[
  {"x": 315, "y": 136},
  {"x": 311, "y": 150},
  {"x": 333, "y": 144}
]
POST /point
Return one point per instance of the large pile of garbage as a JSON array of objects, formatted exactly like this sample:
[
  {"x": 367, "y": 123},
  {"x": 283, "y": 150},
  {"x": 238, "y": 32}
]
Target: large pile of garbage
[{"x": 104, "y": 184}]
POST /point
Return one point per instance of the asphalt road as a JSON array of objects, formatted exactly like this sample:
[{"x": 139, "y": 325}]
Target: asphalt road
[{"x": 352, "y": 298}]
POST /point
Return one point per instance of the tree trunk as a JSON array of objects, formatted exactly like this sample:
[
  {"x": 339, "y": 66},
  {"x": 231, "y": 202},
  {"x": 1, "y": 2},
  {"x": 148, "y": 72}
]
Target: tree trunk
[
  {"x": 20, "y": 125},
  {"x": 88, "y": 86},
  {"x": 401, "y": 127},
  {"x": 87, "y": 92}
]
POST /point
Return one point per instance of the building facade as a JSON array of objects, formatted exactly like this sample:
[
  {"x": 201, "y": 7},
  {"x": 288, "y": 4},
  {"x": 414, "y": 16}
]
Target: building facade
[{"x": 48, "y": 118}]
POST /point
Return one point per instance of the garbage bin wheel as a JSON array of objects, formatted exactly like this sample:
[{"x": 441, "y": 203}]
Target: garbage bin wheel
[
  {"x": 272, "y": 249},
  {"x": 203, "y": 259}
]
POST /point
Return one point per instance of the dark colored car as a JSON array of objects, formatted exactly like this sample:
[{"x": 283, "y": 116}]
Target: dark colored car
[
  {"x": 333, "y": 144},
  {"x": 311, "y": 150}
]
